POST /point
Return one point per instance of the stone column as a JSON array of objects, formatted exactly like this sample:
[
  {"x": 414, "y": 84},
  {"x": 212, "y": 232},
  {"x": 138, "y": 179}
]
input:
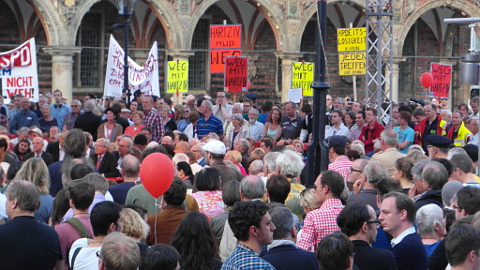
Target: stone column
[
  {"x": 395, "y": 77},
  {"x": 62, "y": 69},
  {"x": 287, "y": 64},
  {"x": 180, "y": 56}
]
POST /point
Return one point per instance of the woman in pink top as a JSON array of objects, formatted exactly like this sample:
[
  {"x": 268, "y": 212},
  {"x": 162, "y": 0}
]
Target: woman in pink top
[
  {"x": 209, "y": 195},
  {"x": 137, "y": 118},
  {"x": 236, "y": 158}
]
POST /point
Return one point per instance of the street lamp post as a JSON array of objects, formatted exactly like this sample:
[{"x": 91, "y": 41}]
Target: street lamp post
[
  {"x": 318, "y": 150},
  {"x": 125, "y": 10}
]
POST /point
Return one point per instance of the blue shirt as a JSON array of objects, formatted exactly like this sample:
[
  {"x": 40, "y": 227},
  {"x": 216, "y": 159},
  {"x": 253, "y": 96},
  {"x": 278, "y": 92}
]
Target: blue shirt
[
  {"x": 23, "y": 119},
  {"x": 245, "y": 258},
  {"x": 59, "y": 113},
  {"x": 407, "y": 134},
  {"x": 213, "y": 124}
]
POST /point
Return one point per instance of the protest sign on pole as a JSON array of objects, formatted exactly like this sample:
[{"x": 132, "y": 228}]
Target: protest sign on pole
[
  {"x": 236, "y": 69},
  {"x": 441, "y": 79},
  {"x": 177, "y": 77},
  {"x": 225, "y": 36},
  {"x": 225, "y": 41},
  {"x": 18, "y": 72},
  {"x": 352, "y": 46},
  {"x": 302, "y": 77},
  {"x": 143, "y": 77}
]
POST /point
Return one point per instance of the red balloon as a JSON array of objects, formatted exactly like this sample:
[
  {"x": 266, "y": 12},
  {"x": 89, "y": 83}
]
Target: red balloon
[
  {"x": 156, "y": 173},
  {"x": 426, "y": 79}
]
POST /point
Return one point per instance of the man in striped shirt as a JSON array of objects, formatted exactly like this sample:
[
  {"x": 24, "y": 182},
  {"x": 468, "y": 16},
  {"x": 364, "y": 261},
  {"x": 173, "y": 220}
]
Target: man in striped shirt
[{"x": 209, "y": 122}]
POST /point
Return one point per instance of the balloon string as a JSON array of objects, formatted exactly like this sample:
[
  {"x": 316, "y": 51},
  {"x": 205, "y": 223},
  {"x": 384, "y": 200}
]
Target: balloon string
[{"x": 155, "y": 224}]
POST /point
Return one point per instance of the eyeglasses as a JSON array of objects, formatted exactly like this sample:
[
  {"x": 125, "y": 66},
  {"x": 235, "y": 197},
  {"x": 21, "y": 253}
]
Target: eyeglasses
[
  {"x": 376, "y": 222},
  {"x": 98, "y": 254},
  {"x": 355, "y": 170},
  {"x": 456, "y": 207}
]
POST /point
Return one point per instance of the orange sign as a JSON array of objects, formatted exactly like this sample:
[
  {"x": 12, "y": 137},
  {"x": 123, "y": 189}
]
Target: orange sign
[
  {"x": 225, "y": 36},
  {"x": 217, "y": 59}
]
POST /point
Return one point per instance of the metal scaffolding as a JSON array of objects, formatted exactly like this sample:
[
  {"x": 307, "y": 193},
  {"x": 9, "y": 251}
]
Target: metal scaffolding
[{"x": 379, "y": 77}]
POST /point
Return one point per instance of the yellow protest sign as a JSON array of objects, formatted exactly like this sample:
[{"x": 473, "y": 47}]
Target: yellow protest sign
[
  {"x": 177, "y": 77},
  {"x": 352, "y": 39},
  {"x": 352, "y": 63},
  {"x": 302, "y": 77}
]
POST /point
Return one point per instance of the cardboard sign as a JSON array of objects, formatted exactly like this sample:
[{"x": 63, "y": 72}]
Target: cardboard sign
[
  {"x": 225, "y": 36},
  {"x": 354, "y": 63},
  {"x": 302, "y": 77},
  {"x": 217, "y": 59},
  {"x": 236, "y": 70},
  {"x": 18, "y": 72},
  {"x": 442, "y": 79},
  {"x": 177, "y": 77},
  {"x": 144, "y": 77},
  {"x": 352, "y": 39}
]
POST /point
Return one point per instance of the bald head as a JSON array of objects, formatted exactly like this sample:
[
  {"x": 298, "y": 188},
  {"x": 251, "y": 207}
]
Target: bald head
[
  {"x": 181, "y": 147},
  {"x": 130, "y": 166}
]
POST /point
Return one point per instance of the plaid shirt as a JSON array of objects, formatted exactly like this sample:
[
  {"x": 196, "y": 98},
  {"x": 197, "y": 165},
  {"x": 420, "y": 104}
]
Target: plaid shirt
[
  {"x": 320, "y": 223},
  {"x": 245, "y": 258},
  {"x": 69, "y": 120},
  {"x": 152, "y": 120},
  {"x": 341, "y": 165}
]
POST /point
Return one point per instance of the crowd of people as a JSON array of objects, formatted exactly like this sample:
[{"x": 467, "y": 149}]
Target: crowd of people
[{"x": 400, "y": 192}]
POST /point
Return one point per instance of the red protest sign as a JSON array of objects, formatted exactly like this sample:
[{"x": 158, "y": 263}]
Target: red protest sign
[
  {"x": 236, "y": 69},
  {"x": 225, "y": 36},
  {"x": 442, "y": 79},
  {"x": 217, "y": 59}
]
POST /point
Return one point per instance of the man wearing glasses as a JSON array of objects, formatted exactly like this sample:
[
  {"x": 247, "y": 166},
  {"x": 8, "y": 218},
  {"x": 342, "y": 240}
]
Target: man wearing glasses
[
  {"x": 397, "y": 216},
  {"x": 359, "y": 222},
  {"x": 71, "y": 117}
]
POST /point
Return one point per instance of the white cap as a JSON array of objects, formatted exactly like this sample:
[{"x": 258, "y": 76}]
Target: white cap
[{"x": 215, "y": 147}]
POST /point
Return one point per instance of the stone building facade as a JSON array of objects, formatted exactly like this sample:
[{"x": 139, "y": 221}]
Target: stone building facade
[{"x": 72, "y": 38}]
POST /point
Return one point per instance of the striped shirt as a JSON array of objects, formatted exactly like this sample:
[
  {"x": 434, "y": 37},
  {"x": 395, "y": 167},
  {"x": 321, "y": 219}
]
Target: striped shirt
[{"x": 213, "y": 124}]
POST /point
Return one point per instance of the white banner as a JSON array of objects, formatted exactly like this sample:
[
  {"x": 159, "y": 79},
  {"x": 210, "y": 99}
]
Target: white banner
[
  {"x": 18, "y": 72},
  {"x": 144, "y": 77}
]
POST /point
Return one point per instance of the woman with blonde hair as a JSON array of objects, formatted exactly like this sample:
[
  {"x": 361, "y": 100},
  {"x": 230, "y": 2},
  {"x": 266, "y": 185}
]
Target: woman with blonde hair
[
  {"x": 35, "y": 171},
  {"x": 236, "y": 158},
  {"x": 135, "y": 227}
]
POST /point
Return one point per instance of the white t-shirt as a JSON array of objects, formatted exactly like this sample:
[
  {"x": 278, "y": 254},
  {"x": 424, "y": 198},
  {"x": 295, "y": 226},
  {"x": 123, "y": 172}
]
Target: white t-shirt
[{"x": 87, "y": 257}]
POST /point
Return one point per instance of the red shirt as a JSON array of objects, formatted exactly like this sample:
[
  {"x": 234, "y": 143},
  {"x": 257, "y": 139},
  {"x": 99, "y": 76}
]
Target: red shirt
[{"x": 369, "y": 134}]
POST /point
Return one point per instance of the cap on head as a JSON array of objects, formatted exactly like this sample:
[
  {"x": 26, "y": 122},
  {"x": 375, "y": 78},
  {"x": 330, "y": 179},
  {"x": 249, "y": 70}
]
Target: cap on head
[
  {"x": 438, "y": 141},
  {"x": 215, "y": 147}
]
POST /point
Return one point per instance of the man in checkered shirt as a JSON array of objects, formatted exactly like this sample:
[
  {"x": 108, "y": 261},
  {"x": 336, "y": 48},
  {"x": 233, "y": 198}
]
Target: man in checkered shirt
[
  {"x": 323, "y": 221},
  {"x": 152, "y": 119},
  {"x": 253, "y": 227},
  {"x": 336, "y": 152}
]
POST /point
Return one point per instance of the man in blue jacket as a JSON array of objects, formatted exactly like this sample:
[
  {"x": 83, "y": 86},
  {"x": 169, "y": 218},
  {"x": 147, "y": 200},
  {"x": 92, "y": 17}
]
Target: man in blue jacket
[
  {"x": 397, "y": 216},
  {"x": 283, "y": 253}
]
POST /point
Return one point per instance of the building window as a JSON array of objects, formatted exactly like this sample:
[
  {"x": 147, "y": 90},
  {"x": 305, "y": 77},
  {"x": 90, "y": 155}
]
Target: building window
[
  {"x": 198, "y": 63},
  {"x": 88, "y": 66}
]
